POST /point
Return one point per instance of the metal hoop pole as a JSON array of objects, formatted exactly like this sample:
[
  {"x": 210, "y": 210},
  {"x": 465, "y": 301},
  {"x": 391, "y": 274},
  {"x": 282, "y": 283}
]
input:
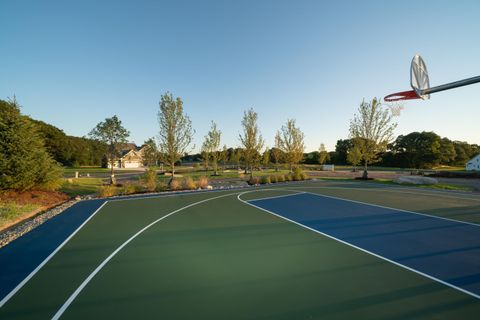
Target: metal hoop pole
[{"x": 451, "y": 85}]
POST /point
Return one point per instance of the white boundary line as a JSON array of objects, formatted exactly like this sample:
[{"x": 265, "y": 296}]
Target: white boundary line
[
  {"x": 24, "y": 281},
  {"x": 405, "y": 190},
  {"x": 282, "y": 196},
  {"x": 361, "y": 249},
  {"x": 67, "y": 303},
  {"x": 395, "y": 209}
]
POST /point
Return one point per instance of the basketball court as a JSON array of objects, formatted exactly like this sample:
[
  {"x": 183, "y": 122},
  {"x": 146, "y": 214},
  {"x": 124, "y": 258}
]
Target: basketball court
[{"x": 315, "y": 249}]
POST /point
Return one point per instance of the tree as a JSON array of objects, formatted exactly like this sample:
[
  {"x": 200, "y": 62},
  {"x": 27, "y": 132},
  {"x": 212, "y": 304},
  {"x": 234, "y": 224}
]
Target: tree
[
  {"x": 323, "y": 155},
  {"x": 25, "y": 164},
  {"x": 150, "y": 152},
  {"x": 354, "y": 156},
  {"x": 211, "y": 145},
  {"x": 418, "y": 149},
  {"x": 237, "y": 157},
  {"x": 266, "y": 157},
  {"x": 251, "y": 140},
  {"x": 176, "y": 132},
  {"x": 341, "y": 149},
  {"x": 291, "y": 143},
  {"x": 224, "y": 156},
  {"x": 276, "y": 150},
  {"x": 113, "y": 134},
  {"x": 373, "y": 129},
  {"x": 447, "y": 152}
]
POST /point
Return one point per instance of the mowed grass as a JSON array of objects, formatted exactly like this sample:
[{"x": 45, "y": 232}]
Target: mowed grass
[
  {"x": 223, "y": 259},
  {"x": 11, "y": 211},
  {"x": 81, "y": 186}
]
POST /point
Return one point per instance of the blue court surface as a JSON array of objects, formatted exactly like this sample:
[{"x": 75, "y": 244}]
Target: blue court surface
[{"x": 445, "y": 250}]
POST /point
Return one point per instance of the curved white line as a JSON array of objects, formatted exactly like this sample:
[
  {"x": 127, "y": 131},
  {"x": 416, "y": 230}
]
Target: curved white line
[
  {"x": 361, "y": 249},
  {"x": 90, "y": 277}
]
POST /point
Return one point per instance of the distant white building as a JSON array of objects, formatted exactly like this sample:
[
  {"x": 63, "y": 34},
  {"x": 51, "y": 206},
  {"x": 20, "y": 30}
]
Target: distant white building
[{"x": 473, "y": 164}]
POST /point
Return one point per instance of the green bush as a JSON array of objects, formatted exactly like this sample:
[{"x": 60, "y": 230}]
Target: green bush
[
  {"x": 273, "y": 179},
  {"x": 150, "y": 178},
  {"x": 265, "y": 180},
  {"x": 288, "y": 177},
  {"x": 305, "y": 176},
  {"x": 161, "y": 186},
  {"x": 280, "y": 178},
  {"x": 128, "y": 188},
  {"x": 106, "y": 191}
]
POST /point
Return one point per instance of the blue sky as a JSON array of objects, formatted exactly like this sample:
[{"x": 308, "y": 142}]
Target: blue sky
[{"x": 72, "y": 64}]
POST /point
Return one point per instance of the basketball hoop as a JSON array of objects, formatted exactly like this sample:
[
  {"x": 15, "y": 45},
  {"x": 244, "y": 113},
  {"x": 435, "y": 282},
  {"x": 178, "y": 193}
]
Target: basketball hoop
[{"x": 420, "y": 83}]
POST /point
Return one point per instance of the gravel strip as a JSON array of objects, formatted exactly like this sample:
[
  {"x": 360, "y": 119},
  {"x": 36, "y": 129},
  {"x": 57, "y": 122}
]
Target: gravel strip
[{"x": 23, "y": 227}]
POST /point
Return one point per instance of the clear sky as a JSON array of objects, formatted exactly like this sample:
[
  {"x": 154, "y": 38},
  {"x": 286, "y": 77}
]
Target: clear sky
[{"x": 74, "y": 63}]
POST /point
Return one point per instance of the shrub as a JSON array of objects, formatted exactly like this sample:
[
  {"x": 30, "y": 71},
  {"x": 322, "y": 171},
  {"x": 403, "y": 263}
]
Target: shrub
[
  {"x": 254, "y": 181},
  {"x": 150, "y": 178},
  {"x": 273, "y": 179},
  {"x": 175, "y": 185},
  {"x": 139, "y": 188},
  {"x": 265, "y": 180},
  {"x": 202, "y": 182},
  {"x": 189, "y": 184},
  {"x": 128, "y": 188},
  {"x": 161, "y": 186},
  {"x": 281, "y": 178},
  {"x": 106, "y": 191},
  {"x": 288, "y": 177},
  {"x": 305, "y": 176},
  {"x": 297, "y": 174}
]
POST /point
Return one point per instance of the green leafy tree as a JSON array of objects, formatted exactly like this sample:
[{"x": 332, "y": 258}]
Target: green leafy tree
[
  {"x": 211, "y": 144},
  {"x": 291, "y": 143},
  {"x": 323, "y": 155},
  {"x": 266, "y": 158},
  {"x": 150, "y": 153},
  {"x": 354, "y": 156},
  {"x": 373, "y": 128},
  {"x": 251, "y": 140},
  {"x": 25, "y": 164},
  {"x": 237, "y": 157},
  {"x": 341, "y": 150},
  {"x": 447, "y": 152},
  {"x": 418, "y": 149},
  {"x": 224, "y": 156},
  {"x": 114, "y": 135},
  {"x": 277, "y": 153},
  {"x": 176, "y": 132}
]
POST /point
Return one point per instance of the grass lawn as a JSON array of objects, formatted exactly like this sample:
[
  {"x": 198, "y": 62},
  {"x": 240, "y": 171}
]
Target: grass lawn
[
  {"x": 81, "y": 186},
  {"x": 228, "y": 174},
  {"x": 10, "y": 211}
]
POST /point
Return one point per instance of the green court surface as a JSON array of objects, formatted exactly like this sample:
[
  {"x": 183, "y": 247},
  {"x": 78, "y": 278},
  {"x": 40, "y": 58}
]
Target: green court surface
[{"x": 211, "y": 256}]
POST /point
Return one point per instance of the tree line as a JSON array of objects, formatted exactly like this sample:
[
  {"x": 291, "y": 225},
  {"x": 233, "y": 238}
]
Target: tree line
[{"x": 370, "y": 142}]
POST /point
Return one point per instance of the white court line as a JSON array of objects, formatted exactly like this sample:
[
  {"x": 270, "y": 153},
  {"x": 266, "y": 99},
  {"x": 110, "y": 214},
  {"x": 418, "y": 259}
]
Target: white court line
[
  {"x": 282, "y": 196},
  {"x": 67, "y": 303},
  {"x": 361, "y": 249},
  {"x": 430, "y": 193},
  {"x": 390, "y": 208},
  {"x": 24, "y": 281}
]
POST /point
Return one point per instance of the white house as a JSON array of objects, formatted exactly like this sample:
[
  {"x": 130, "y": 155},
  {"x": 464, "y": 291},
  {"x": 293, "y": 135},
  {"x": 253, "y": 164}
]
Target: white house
[
  {"x": 128, "y": 159},
  {"x": 473, "y": 164}
]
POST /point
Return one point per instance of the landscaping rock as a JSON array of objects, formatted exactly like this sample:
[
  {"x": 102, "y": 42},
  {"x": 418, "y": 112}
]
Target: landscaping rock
[
  {"x": 415, "y": 180},
  {"x": 23, "y": 227}
]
